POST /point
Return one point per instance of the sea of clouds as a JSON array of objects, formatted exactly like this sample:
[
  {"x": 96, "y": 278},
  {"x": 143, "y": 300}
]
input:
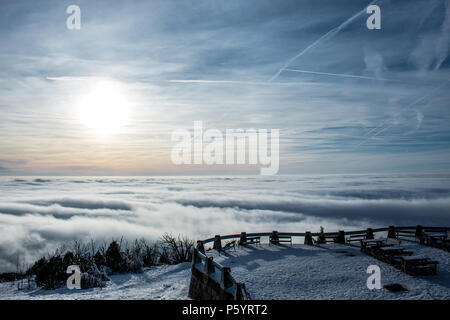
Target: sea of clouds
[{"x": 37, "y": 214}]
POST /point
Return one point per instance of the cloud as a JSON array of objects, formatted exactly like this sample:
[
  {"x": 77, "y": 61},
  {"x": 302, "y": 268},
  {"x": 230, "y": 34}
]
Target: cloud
[
  {"x": 443, "y": 43},
  {"x": 433, "y": 46},
  {"x": 85, "y": 204},
  {"x": 388, "y": 210},
  {"x": 374, "y": 63},
  {"x": 35, "y": 219},
  {"x": 419, "y": 119},
  {"x": 211, "y": 62}
]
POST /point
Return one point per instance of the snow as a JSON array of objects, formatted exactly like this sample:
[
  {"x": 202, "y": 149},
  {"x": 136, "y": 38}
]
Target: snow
[
  {"x": 272, "y": 272},
  {"x": 326, "y": 272},
  {"x": 168, "y": 282}
]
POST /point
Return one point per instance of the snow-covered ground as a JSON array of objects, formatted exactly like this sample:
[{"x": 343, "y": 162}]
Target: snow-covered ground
[
  {"x": 272, "y": 272},
  {"x": 310, "y": 272},
  {"x": 164, "y": 282}
]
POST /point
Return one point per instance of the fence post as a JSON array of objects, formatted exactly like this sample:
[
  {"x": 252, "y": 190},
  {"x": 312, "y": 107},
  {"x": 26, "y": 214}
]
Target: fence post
[
  {"x": 308, "y": 238},
  {"x": 274, "y": 237},
  {"x": 217, "y": 243},
  {"x": 369, "y": 234},
  {"x": 201, "y": 246},
  {"x": 341, "y": 237},
  {"x": 238, "y": 292},
  {"x": 321, "y": 238},
  {"x": 419, "y": 233},
  {"x": 391, "y": 233},
  {"x": 224, "y": 278},
  {"x": 243, "y": 239},
  {"x": 209, "y": 266},
  {"x": 194, "y": 258}
]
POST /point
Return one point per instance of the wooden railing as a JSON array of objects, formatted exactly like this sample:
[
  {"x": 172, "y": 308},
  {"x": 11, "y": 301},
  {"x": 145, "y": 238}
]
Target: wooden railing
[
  {"x": 220, "y": 274},
  {"x": 389, "y": 229}
]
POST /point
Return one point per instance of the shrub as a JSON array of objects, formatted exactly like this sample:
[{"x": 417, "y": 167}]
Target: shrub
[
  {"x": 113, "y": 257},
  {"x": 177, "y": 249},
  {"x": 11, "y": 276},
  {"x": 97, "y": 261},
  {"x": 149, "y": 255},
  {"x": 49, "y": 273},
  {"x": 68, "y": 259}
]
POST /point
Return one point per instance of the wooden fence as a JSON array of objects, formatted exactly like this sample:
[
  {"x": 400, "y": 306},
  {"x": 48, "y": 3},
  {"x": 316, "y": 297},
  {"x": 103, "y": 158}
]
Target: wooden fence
[
  {"x": 220, "y": 275},
  {"x": 392, "y": 233}
]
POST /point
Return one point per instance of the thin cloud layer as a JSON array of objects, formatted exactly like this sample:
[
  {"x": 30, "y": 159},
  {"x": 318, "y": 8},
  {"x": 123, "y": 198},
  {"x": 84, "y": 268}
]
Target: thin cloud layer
[{"x": 211, "y": 60}]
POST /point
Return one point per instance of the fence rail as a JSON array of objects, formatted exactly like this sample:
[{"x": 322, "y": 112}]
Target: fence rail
[
  {"x": 326, "y": 234},
  {"x": 209, "y": 268}
]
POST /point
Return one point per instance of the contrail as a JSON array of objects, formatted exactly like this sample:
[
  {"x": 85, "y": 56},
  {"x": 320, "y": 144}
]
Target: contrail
[
  {"x": 263, "y": 83},
  {"x": 327, "y": 35},
  {"x": 339, "y": 75},
  {"x": 68, "y": 78},
  {"x": 213, "y": 81},
  {"x": 382, "y": 126}
]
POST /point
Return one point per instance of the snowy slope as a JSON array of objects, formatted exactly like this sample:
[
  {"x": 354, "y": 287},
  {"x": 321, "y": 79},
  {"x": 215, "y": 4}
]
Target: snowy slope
[
  {"x": 164, "y": 282},
  {"x": 271, "y": 272},
  {"x": 310, "y": 272}
]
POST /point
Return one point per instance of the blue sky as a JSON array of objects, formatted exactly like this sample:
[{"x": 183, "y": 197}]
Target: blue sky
[{"x": 176, "y": 62}]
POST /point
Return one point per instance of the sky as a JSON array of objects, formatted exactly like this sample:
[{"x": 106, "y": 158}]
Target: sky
[{"x": 105, "y": 99}]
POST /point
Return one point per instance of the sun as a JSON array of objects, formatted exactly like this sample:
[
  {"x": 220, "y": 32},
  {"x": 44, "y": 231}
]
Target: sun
[{"x": 104, "y": 109}]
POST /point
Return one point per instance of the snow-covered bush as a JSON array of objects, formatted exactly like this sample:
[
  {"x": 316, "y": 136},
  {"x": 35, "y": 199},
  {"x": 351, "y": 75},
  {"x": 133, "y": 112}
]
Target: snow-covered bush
[{"x": 97, "y": 262}]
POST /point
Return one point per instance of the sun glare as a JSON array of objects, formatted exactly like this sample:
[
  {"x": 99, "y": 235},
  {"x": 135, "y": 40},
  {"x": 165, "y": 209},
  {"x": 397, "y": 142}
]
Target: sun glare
[{"x": 104, "y": 109}]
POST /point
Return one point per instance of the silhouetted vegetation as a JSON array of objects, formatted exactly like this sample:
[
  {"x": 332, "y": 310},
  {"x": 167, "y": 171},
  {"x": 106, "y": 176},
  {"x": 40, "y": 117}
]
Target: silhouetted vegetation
[
  {"x": 178, "y": 249},
  {"x": 11, "y": 276},
  {"x": 97, "y": 262}
]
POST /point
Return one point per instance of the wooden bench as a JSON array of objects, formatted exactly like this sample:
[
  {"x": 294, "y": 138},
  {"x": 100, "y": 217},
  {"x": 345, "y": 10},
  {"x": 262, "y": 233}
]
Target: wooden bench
[
  {"x": 434, "y": 239},
  {"x": 446, "y": 246},
  {"x": 446, "y": 243},
  {"x": 325, "y": 239},
  {"x": 368, "y": 235},
  {"x": 398, "y": 257},
  {"x": 391, "y": 254},
  {"x": 416, "y": 265},
  {"x": 356, "y": 237},
  {"x": 330, "y": 239},
  {"x": 229, "y": 245},
  {"x": 250, "y": 240},
  {"x": 406, "y": 233},
  {"x": 244, "y": 239},
  {"x": 369, "y": 246},
  {"x": 280, "y": 239}
]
